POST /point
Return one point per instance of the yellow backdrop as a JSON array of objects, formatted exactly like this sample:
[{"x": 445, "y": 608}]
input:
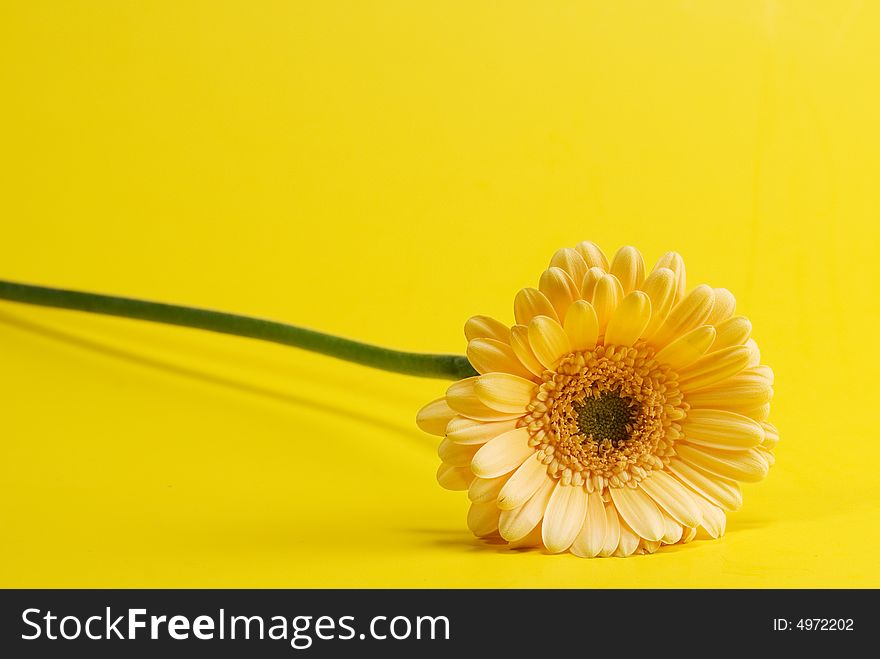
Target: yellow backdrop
[{"x": 383, "y": 170}]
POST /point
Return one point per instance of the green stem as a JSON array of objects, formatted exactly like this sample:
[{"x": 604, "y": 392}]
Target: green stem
[{"x": 451, "y": 367}]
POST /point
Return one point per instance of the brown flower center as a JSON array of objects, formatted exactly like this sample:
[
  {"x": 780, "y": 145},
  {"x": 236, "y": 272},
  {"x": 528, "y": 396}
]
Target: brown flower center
[{"x": 606, "y": 417}]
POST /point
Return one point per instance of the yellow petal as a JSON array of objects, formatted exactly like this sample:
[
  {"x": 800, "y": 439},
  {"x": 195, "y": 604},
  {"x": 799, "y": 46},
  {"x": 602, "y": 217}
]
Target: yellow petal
[
  {"x": 629, "y": 268},
  {"x": 754, "y": 353},
  {"x": 505, "y": 392},
  {"x": 531, "y": 539},
  {"x": 588, "y": 287},
  {"x": 591, "y": 537},
  {"x": 524, "y": 482},
  {"x": 558, "y": 287},
  {"x": 673, "y": 497},
  {"x": 434, "y": 417},
  {"x": 660, "y": 286},
  {"x": 674, "y": 530},
  {"x": 573, "y": 263},
  {"x": 674, "y": 262},
  {"x": 463, "y": 430},
  {"x": 732, "y": 332},
  {"x": 564, "y": 517},
  {"x": 713, "y": 368},
  {"x": 688, "y": 348},
  {"x": 629, "y": 541},
  {"x": 759, "y": 414},
  {"x": 592, "y": 254},
  {"x": 454, "y": 478},
  {"x": 744, "y": 391},
  {"x": 530, "y": 302},
  {"x": 606, "y": 297},
  {"x": 612, "y": 532},
  {"x": 502, "y": 454},
  {"x": 688, "y": 534},
  {"x": 548, "y": 340},
  {"x": 638, "y": 510},
  {"x": 691, "y": 312},
  {"x": 748, "y": 465},
  {"x": 629, "y": 320},
  {"x": 722, "y": 308},
  {"x": 721, "y": 429},
  {"x": 482, "y": 518},
  {"x": 484, "y": 327},
  {"x": 491, "y": 356},
  {"x": 771, "y": 435},
  {"x": 456, "y": 455},
  {"x": 582, "y": 326},
  {"x": 720, "y": 491},
  {"x": 483, "y": 490},
  {"x": 519, "y": 341},
  {"x": 714, "y": 520},
  {"x": 462, "y": 397},
  {"x": 516, "y": 524}
]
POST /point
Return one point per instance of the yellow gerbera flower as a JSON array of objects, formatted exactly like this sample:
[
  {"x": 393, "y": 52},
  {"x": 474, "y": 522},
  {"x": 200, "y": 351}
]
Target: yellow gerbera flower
[{"x": 617, "y": 415}]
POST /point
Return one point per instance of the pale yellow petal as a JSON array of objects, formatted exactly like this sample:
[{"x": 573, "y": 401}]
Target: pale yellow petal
[
  {"x": 482, "y": 518},
  {"x": 582, "y": 326},
  {"x": 548, "y": 340},
  {"x": 558, "y": 287},
  {"x": 463, "y": 430},
  {"x": 673, "y": 497},
  {"x": 484, "y": 327},
  {"x": 744, "y": 391},
  {"x": 454, "y": 478},
  {"x": 517, "y": 523},
  {"x": 767, "y": 454},
  {"x": 661, "y": 287},
  {"x": 629, "y": 268},
  {"x": 688, "y": 534},
  {"x": 713, "y": 368},
  {"x": 531, "y": 302},
  {"x": 530, "y": 540},
  {"x": 688, "y": 348},
  {"x": 434, "y": 417},
  {"x": 747, "y": 465},
  {"x": 606, "y": 297},
  {"x": 524, "y": 482},
  {"x": 771, "y": 435},
  {"x": 612, "y": 532},
  {"x": 674, "y": 530},
  {"x": 691, "y": 312},
  {"x": 457, "y": 455},
  {"x": 723, "y": 307},
  {"x": 592, "y": 254},
  {"x": 502, "y": 454},
  {"x": 484, "y": 490},
  {"x": 462, "y": 397},
  {"x": 505, "y": 392},
  {"x": 629, "y": 541},
  {"x": 572, "y": 262},
  {"x": 714, "y": 520},
  {"x": 638, "y": 510},
  {"x": 674, "y": 262},
  {"x": 491, "y": 355},
  {"x": 754, "y": 353},
  {"x": 721, "y": 429},
  {"x": 648, "y": 547},
  {"x": 629, "y": 319},
  {"x": 588, "y": 287},
  {"x": 591, "y": 537},
  {"x": 519, "y": 341},
  {"x": 720, "y": 491},
  {"x": 564, "y": 517},
  {"x": 732, "y": 332}
]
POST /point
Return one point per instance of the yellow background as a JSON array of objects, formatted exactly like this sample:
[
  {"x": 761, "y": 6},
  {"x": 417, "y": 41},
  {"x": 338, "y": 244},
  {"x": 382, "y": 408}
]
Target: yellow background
[{"x": 383, "y": 170}]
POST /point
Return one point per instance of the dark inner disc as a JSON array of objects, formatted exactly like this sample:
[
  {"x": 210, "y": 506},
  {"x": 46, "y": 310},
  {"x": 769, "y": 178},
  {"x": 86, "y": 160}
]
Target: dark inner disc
[{"x": 605, "y": 418}]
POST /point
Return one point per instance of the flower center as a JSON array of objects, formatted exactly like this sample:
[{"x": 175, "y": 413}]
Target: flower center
[{"x": 605, "y": 418}]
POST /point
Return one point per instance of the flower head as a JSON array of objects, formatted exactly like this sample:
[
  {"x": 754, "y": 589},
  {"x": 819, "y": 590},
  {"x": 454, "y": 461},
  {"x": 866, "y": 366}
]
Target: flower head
[{"x": 617, "y": 415}]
